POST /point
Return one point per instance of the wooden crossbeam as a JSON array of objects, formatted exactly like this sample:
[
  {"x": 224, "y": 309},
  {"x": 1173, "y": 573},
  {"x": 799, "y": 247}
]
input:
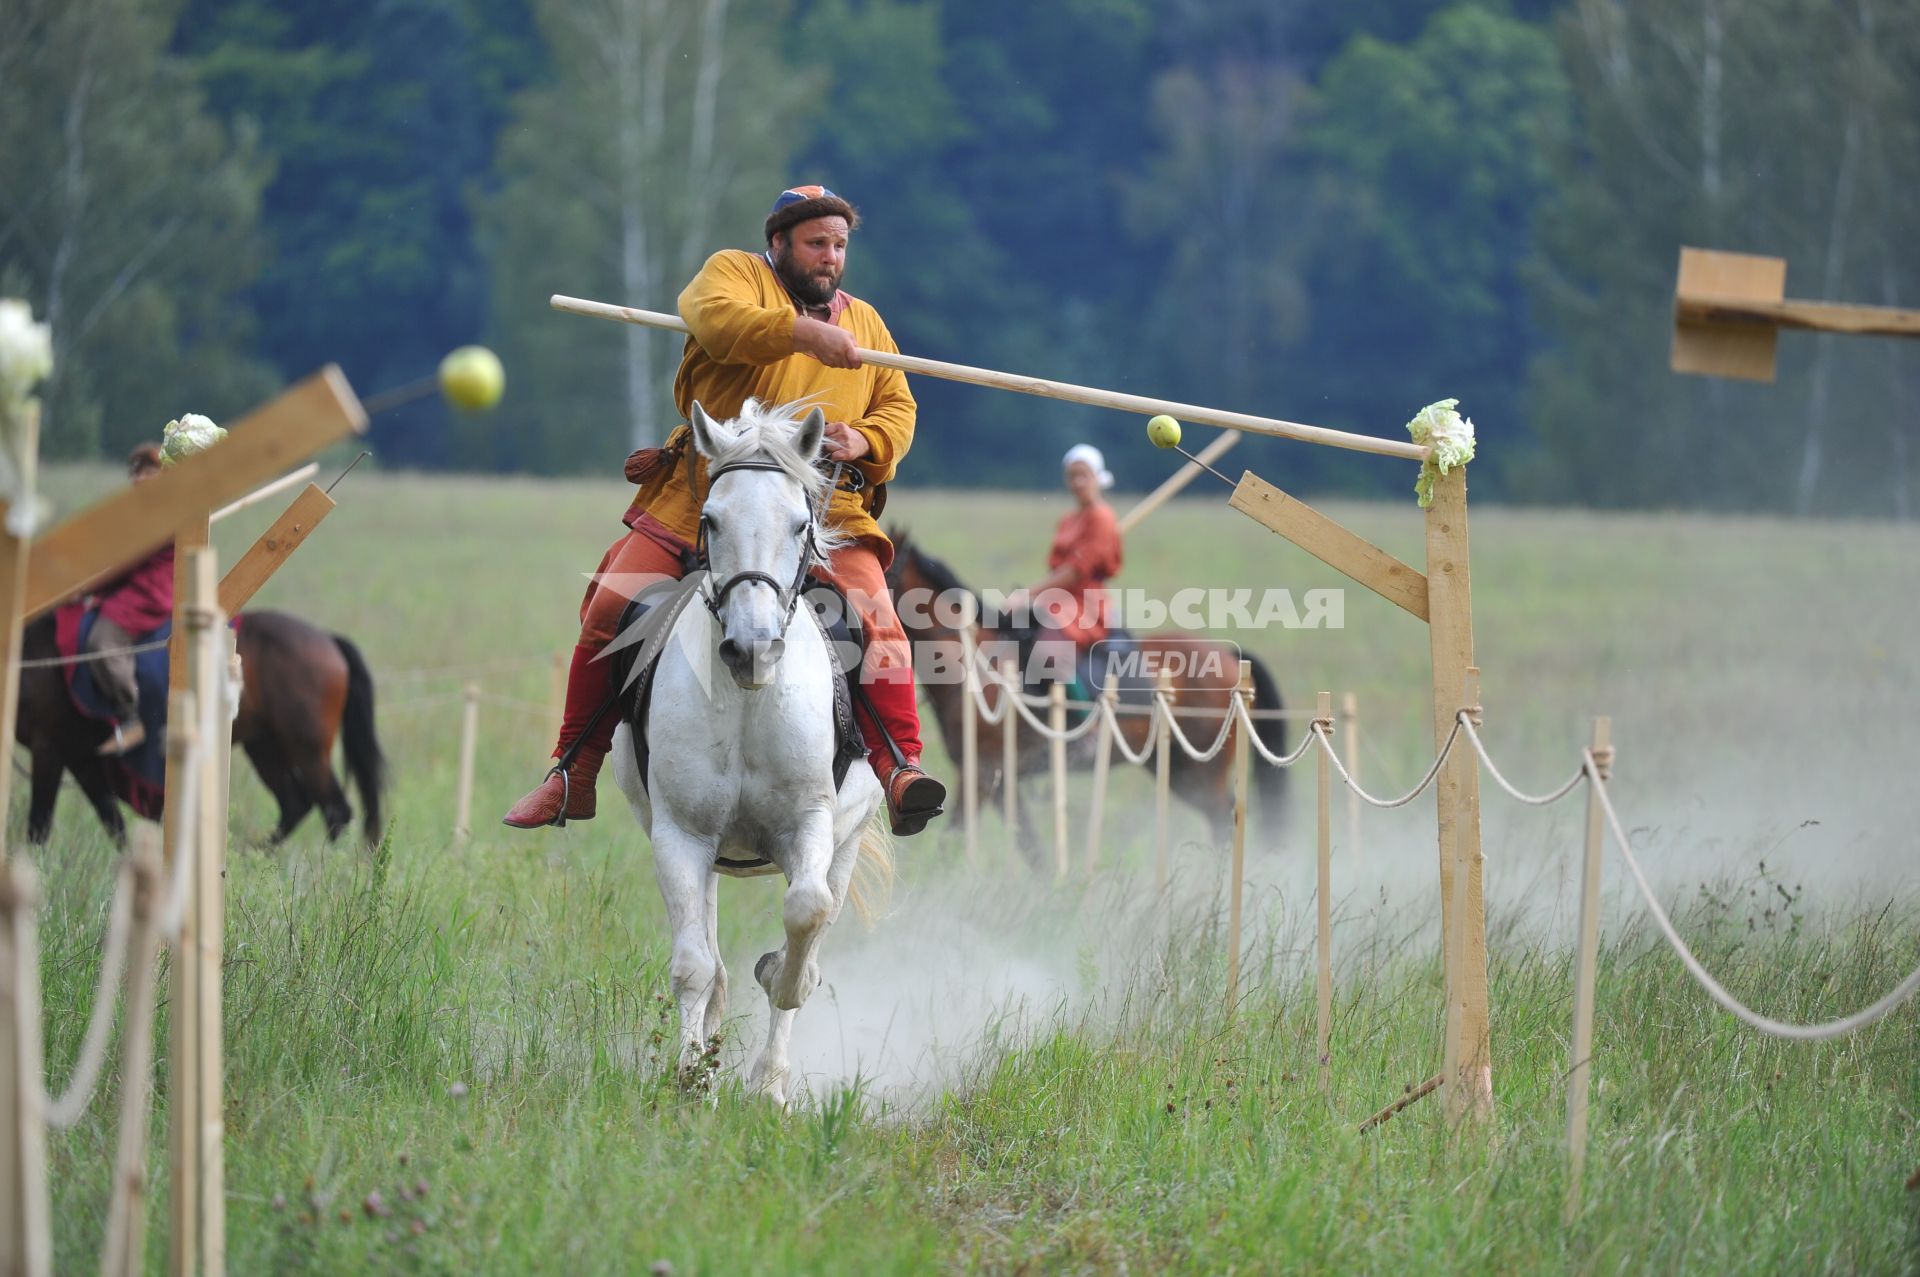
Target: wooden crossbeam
[
  {"x": 105, "y": 538},
  {"x": 244, "y": 579},
  {"x": 1332, "y": 544},
  {"x": 1729, "y": 308}
]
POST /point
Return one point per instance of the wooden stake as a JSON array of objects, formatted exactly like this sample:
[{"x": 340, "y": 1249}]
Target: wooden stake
[
  {"x": 1323, "y": 915},
  {"x": 1468, "y": 1067},
  {"x": 185, "y": 723},
  {"x": 1178, "y": 480},
  {"x": 1350, "y": 745},
  {"x": 209, "y": 876},
  {"x": 1420, "y": 1092},
  {"x": 1102, "y": 761},
  {"x": 1043, "y": 388},
  {"x": 274, "y": 547},
  {"x": 1057, "y": 757},
  {"x": 1162, "y": 783},
  {"x": 26, "y": 1246},
  {"x": 1580, "y": 1053},
  {"x": 1010, "y": 753},
  {"x": 1242, "y": 778},
  {"x": 969, "y": 745},
  {"x": 15, "y": 561},
  {"x": 123, "y": 1252},
  {"x": 469, "y": 742}
]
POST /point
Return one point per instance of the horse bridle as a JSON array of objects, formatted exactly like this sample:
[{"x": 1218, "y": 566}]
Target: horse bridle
[{"x": 788, "y": 595}]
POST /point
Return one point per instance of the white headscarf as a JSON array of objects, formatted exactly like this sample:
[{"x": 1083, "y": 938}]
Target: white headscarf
[{"x": 1091, "y": 455}]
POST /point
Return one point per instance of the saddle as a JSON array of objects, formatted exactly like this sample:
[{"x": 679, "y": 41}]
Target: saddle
[
  {"x": 139, "y": 777},
  {"x": 648, "y": 621}
]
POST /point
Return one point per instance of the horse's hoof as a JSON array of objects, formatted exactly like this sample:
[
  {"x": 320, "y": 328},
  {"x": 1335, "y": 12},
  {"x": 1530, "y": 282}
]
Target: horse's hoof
[{"x": 763, "y": 969}]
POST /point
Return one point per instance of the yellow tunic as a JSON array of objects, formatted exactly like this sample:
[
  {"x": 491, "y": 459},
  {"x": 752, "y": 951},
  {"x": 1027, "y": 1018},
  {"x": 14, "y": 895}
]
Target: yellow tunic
[{"x": 742, "y": 347}]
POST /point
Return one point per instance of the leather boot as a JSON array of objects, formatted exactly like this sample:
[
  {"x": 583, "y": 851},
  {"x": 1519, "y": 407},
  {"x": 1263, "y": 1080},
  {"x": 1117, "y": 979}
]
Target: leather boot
[
  {"x": 569, "y": 794},
  {"x": 913, "y": 797}
]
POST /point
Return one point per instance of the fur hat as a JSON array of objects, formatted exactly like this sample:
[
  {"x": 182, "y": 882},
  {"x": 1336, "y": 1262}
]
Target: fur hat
[{"x": 804, "y": 203}]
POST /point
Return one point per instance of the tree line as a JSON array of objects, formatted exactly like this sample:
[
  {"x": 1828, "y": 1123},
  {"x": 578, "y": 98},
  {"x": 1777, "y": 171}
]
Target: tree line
[{"x": 1332, "y": 213}]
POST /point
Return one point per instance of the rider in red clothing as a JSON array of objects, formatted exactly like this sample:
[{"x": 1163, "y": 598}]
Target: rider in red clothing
[{"x": 127, "y": 609}]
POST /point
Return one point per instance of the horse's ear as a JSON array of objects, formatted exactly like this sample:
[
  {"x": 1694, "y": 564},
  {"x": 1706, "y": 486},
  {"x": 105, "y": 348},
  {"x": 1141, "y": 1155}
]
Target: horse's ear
[
  {"x": 813, "y": 428},
  {"x": 703, "y": 431}
]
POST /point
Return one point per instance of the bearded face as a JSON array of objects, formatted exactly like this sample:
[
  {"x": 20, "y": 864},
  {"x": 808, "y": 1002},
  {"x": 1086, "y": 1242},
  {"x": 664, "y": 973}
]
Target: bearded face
[{"x": 810, "y": 257}]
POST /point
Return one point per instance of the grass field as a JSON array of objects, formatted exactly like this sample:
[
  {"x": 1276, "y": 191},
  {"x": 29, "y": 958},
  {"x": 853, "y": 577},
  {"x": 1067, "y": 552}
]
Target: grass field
[{"x": 1007, "y": 1077}]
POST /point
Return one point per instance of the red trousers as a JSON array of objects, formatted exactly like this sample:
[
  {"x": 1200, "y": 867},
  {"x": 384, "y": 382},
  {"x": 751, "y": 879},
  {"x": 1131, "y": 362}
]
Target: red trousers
[{"x": 650, "y": 553}]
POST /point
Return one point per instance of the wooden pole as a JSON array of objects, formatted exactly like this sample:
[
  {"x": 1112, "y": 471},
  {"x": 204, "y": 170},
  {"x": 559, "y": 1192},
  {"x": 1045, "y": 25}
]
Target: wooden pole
[
  {"x": 123, "y": 1251},
  {"x": 1242, "y": 778},
  {"x": 1350, "y": 745},
  {"x": 209, "y": 879},
  {"x": 1469, "y": 1064},
  {"x": 26, "y": 1247},
  {"x": 1323, "y": 893},
  {"x": 193, "y": 672},
  {"x": 1102, "y": 762},
  {"x": 275, "y": 546},
  {"x": 185, "y": 724},
  {"x": 1162, "y": 782},
  {"x": 1046, "y": 389},
  {"x": 1580, "y": 1053},
  {"x": 266, "y": 490},
  {"x": 1178, "y": 480},
  {"x": 1010, "y": 752},
  {"x": 1057, "y": 758},
  {"x": 969, "y": 746},
  {"x": 15, "y": 562},
  {"x": 469, "y": 741}
]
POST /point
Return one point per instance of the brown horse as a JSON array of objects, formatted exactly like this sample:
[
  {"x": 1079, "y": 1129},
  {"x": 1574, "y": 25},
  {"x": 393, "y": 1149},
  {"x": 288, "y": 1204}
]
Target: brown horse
[
  {"x": 301, "y": 687},
  {"x": 1205, "y": 673}
]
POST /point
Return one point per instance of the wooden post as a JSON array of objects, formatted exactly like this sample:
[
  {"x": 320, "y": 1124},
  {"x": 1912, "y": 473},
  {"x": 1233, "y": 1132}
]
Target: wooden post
[
  {"x": 192, "y": 672},
  {"x": 469, "y": 741},
  {"x": 1057, "y": 757},
  {"x": 1162, "y": 781},
  {"x": 1010, "y": 753},
  {"x": 123, "y": 1251},
  {"x": 1323, "y": 912},
  {"x": 26, "y": 1245},
  {"x": 969, "y": 745},
  {"x": 274, "y": 547},
  {"x": 197, "y": 1242},
  {"x": 1242, "y": 779},
  {"x": 1102, "y": 762},
  {"x": 1580, "y": 1053},
  {"x": 209, "y": 876},
  {"x": 1469, "y": 1066},
  {"x": 15, "y": 558},
  {"x": 1350, "y": 746}
]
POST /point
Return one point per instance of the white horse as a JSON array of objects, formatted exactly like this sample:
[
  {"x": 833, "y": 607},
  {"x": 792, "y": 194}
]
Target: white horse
[{"x": 740, "y": 768}]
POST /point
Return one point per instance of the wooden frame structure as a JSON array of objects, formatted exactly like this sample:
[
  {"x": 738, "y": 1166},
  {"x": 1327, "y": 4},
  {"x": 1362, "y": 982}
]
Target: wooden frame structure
[
  {"x": 1729, "y": 308},
  {"x": 179, "y": 505},
  {"x": 1441, "y": 596}
]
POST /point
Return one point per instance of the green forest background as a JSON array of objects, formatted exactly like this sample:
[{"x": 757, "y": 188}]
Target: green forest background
[{"x": 1332, "y": 212}]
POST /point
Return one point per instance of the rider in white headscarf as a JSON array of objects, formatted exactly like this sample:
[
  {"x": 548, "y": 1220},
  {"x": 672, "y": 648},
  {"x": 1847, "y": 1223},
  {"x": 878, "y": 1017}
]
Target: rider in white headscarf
[{"x": 1085, "y": 554}]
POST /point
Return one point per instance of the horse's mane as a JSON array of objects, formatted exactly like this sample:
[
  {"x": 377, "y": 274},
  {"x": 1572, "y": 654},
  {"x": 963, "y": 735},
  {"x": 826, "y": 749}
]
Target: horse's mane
[
  {"x": 764, "y": 433},
  {"x": 940, "y": 577}
]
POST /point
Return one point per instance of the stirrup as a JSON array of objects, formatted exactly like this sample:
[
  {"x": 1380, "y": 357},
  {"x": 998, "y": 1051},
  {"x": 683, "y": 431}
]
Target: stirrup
[{"x": 559, "y": 820}]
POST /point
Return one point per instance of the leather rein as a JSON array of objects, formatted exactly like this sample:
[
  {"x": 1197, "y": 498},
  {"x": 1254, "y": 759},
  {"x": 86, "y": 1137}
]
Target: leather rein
[{"x": 787, "y": 595}]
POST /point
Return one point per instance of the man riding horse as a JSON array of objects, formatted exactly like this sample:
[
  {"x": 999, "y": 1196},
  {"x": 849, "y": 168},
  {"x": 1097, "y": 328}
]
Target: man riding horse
[
  {"x": 773, "y": 326},
  {"x": 127, "y": 609}
]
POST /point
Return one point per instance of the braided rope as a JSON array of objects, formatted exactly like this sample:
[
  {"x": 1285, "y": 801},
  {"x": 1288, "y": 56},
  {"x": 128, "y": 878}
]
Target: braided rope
[
  {"x": 64, "y": 1111},
  {"x": 1326, "y": 743},
  {"x": 1212, "y": 751},
  {"x": 1714, "y": 989},
  {"x": 1532, "y": 800},
  {"x": 1120, "y": 739},
  {"x": 1260, "y": 746}
]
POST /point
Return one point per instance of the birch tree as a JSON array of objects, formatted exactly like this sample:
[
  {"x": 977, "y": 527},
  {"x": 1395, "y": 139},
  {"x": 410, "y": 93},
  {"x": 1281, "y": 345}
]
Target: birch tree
[{"x": 662, "y": 136}]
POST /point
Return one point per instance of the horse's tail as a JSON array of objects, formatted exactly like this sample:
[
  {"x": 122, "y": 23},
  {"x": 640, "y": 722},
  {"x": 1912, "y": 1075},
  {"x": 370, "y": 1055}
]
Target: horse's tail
[
  {"x": 365, "y": 763},
  {"x": 872, "y": 879},
  {"x": 1272, "y": 783}
]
